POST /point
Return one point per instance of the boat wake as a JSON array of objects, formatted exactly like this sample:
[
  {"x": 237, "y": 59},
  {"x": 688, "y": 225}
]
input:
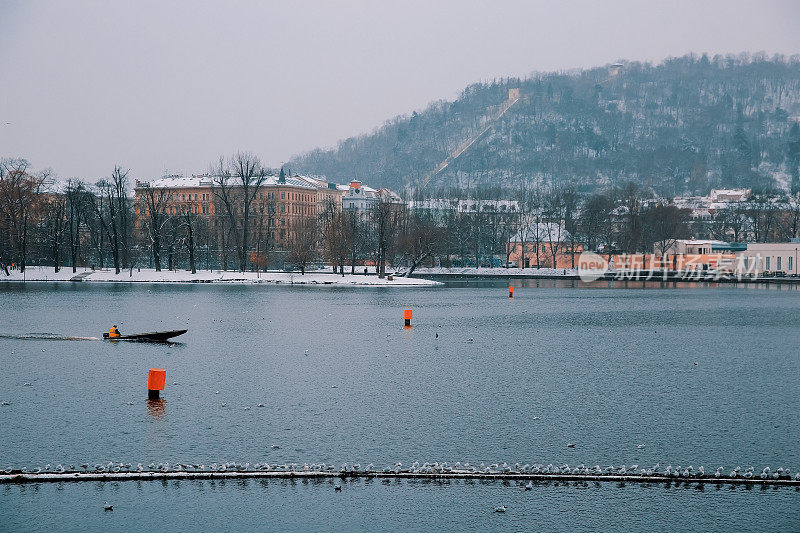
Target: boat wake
[{"x": 46, "y": 337}]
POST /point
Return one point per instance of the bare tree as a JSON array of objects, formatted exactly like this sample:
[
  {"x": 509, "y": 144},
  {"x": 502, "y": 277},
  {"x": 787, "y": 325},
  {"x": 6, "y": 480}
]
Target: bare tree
[
  {"x": 119, "y": 182},
  {"x": 237, "y": 183},
  {"x": 19, "y": 205},
  {"x": 303, "y": 242},
  {"x": 630, "y": 234},
  {"x": 554, "y": 214},
  {"x": 78, "y": 201},
  {"x": 663, "y": 225},
  {"x": 594, "y": 216},
  {"x": 110, "y": 205},
  {"x": 338, "y": 240},
  {"x": 384, "y": 217},
  {"x": 53, "y": 224},
  {"x": 155, "y": 218},
  {"x": 188, "y": 221},
  {"x": 420, "y": 242},
  {"x": 264, "y": 213}
]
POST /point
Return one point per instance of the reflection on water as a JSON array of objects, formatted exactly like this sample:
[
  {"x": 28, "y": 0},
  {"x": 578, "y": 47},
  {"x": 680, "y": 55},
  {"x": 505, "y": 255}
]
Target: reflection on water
[
  {"x": 157, "y": 408},
  {"x": 533, "y": 283}
]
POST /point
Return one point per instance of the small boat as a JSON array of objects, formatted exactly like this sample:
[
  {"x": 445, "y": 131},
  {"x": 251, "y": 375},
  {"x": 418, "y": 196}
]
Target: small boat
[{"x": 153, "y": 336}]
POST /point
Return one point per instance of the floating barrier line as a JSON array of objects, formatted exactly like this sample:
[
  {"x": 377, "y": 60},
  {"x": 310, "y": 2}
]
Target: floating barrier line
[{"x": 50, "y": 477}]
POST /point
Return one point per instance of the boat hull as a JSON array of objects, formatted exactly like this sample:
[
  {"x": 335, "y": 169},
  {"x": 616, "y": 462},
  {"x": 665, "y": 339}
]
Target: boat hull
[{"x": 152, "y": 336}]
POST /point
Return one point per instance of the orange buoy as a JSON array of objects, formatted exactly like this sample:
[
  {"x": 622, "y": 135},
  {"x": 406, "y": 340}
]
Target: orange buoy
[
  {"x": 156, "y": 378},
  {"x": 511, "y": 292},
  {"x": 407, "y": 316}
]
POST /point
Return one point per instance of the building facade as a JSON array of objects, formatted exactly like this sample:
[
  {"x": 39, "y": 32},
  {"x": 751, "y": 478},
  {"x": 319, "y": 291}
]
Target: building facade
[
  {"x": 770, "y": 258},
  {"x": 280, "y": 206}
]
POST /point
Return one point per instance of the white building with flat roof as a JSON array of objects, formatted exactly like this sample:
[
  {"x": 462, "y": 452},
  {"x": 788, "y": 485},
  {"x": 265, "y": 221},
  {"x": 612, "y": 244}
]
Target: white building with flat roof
[{"x": 772, "y": 257}]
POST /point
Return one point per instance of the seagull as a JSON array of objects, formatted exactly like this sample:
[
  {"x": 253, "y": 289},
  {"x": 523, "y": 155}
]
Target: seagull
[
  {"x": 529, "y": 486},
  {"x": 570, "y": 445},
  {"x": 260, "y": 405},
  {"x": 337, "y": 487},
  {"x": 501, "y": 509},
  {"x": 108, "y": 507},
  {"x": 639, "y": 446}
]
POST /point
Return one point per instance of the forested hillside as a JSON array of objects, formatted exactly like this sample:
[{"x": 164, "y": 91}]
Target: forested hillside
[{"x": 684, "y": 126}]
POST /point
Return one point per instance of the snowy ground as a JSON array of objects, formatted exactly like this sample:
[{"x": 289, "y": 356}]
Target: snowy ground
[
  {"x": 498, "y": 271},
  {"x": 148, "y": 275}
]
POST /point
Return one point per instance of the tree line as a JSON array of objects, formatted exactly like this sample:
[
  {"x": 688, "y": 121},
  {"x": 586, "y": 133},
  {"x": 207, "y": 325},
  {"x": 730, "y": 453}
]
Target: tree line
[{"x": 100, "y": 225}]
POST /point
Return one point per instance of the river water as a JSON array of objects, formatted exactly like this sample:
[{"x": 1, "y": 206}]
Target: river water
[{"x": 696, "y": 374}]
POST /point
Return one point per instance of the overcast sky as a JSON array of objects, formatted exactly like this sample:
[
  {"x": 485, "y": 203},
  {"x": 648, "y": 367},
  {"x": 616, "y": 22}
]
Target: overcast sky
[{"x": 170, "y": 86}]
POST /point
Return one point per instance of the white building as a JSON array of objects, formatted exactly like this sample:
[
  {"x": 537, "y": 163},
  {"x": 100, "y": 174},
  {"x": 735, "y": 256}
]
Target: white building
[
  {"x": 690, "y": 246},
  {"x": 465, "y": 205},
  {"x": 729, "y": 195},
  {"x": 360, "y": 199},
  {"x": 771, "y": 257}
]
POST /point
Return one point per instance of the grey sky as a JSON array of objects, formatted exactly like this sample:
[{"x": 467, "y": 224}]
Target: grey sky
[{"x": 170, "y": 86}]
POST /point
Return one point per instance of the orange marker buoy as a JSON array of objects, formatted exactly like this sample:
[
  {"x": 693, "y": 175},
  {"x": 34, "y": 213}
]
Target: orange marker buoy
[
  {"x": 156, "y": 377},
  {"x": 407, "y": 315},
  {"x": 511, "y": 292}
]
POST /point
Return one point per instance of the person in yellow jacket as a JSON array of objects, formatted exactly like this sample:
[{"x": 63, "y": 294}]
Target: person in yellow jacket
[{"x": 113, "y": 332}]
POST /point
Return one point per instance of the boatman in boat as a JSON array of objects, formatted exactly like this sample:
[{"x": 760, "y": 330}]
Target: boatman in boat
[{"x": 113, "y": 332}]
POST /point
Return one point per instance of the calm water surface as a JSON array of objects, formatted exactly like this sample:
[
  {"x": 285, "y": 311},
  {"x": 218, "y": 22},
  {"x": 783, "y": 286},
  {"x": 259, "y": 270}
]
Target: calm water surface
[{"x": 698, "y": 375}]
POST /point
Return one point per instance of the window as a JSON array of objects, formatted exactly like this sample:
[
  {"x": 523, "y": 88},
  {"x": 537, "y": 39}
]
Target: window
[
  {"x": 790, "y": 263},
  {"x": 283, "y": 196},
  {"x": 283, "y": 208},
  {"x": 767, "y": 265},
  {"x": 778, "y": 263},
  {"x": 283, "y": 222}
]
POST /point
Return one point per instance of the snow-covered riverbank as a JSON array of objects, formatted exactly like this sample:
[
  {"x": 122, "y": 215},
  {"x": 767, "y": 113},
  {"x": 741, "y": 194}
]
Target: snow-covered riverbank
[{"x": 148, "y": 275}]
